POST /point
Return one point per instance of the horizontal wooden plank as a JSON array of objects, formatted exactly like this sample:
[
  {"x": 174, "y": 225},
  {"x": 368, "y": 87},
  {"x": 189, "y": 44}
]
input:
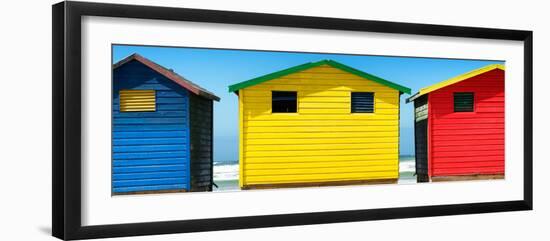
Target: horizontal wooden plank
[
  {"x": 321, "y": 158},
  {"x": 156, "y": 168},
  {"x": 149, "y": 148},
  {"x": 467, "y": 115},
  {"x": 486, "y": 109},
  {"x": 348, "y": 111},
  {"x": 326, "y": 164},
  {"x": 328, "y": 128},
  {"x": 326, "y": 105},
  {"x": 142, "y": 108},
  {"x": 148, "y": 134},
  {"x": 470, "y": 158},
  {"x": 468, "y": 171},
  {"x": 138, "y": 99},
  {"x": 290, "y": 141},
  {"x": 460, "y": 126},
  {"x": 149, "y": 188},
  {"x": 320, "y": 117},
  {"x": 248, "y": 154},
  {"x": 148, "y": 127},
  {"x": 319, "y": 177},
  {"x": 320, "y": 135},
  {"x": 136, "y": 92},
  {"x": 324, "y": 79},
  {"x": 156, "y": 114},
  {"x": 483, "y": 104},
  {"x": 468, "y": 132},
  {"x": 163, "y": 107},
  {"x": 480, "y": 97},
  {"x": 478, "y": 93},
  {"x": 148, "y": 182},
  {"x": 145, "y": 162},
  {"x": 469, "y": 164},
  {"x": 319, "y": 93},
  {"x": 157, "y": 120},
  {"x": 475, "y": 121},
  {"x": 467, "y": 154},
  {"x": 142, "y": 100},
  {"x": 468, "y": 148},
  {"x": 478, "y": 103},
  {"x": 149, "y": 141},
  {"x": 319, "y": 170},
  {"x": 135, "y": 96},
  {"x": 202, "y": 180},
  {"x": 150, "y": 175},
  {"x": 143, "y": 104},
  {"x": 458, "y": 142},
  {"x": 321, "y": 147},
  {"x": 199, "y": 174},
  {"x": 309, "y": 86},
  {"x": 154, "y": 86},
  {"x": 171, "y": 93},
  {"x": 147, "y": 155},
  {"x": 468, "y": 177},
  {"x": 323, "y": 70},
  {"x": 468, "y": 137}
]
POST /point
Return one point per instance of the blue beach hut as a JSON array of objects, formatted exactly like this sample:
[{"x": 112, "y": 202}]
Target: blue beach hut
[{"x": 161, "y": 130}]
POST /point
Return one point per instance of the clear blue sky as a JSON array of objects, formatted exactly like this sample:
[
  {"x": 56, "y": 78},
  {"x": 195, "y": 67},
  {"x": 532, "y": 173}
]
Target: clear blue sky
[{"x": 216, "y": 69}]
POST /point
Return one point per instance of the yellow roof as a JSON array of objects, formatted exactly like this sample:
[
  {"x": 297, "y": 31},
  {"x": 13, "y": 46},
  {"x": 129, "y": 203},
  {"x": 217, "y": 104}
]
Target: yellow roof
[{"x": 455, "y": 80}]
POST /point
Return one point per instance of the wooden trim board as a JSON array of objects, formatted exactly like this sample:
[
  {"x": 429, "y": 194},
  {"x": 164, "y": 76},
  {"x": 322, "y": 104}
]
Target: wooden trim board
[{"x": 466, "y": 178}]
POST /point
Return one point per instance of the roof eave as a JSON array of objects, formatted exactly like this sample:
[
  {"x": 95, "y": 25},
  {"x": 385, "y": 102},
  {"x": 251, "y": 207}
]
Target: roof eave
[
  {"x": 459, "y": 78},
  {"x": 332, "y": 63},
  {"x": 188, "y": 85},
  {"x": 209, "y": 96},
  {"x": 413, "y": 97}
]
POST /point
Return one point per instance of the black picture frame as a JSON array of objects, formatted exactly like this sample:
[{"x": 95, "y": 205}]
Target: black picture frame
[{"x": 66, "y": 127}]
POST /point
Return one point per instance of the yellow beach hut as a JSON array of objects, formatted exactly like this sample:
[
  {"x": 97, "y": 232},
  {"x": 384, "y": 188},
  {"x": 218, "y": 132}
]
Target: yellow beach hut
[{"x": 316, "y": 124}]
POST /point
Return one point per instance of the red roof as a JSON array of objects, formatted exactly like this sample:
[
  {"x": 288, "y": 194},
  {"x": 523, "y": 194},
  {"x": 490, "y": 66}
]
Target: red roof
[{"x": 171, "y": 75}]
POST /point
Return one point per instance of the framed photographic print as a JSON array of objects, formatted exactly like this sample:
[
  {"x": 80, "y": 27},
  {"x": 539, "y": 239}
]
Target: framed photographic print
[{"x": 170, "y": 120}]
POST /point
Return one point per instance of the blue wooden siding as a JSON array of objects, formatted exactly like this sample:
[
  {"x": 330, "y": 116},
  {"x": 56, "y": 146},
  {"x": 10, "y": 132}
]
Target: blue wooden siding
[{"x": 150, "y": 150}]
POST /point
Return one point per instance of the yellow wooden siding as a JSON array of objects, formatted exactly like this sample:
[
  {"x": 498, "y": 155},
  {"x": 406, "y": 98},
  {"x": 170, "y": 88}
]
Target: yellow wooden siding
[
  {"x": 137, "y": 100},
  {"x": 324, "y": 141},
  {"x": 241, "y": 140}
]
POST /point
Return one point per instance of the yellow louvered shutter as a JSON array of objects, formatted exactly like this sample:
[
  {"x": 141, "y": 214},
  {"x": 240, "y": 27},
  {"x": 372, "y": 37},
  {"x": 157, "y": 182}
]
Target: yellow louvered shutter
[{"x": 137, "y": 100}]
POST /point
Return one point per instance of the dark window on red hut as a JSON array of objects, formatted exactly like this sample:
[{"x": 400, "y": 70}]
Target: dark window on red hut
[{"x": 464, "y": 102}]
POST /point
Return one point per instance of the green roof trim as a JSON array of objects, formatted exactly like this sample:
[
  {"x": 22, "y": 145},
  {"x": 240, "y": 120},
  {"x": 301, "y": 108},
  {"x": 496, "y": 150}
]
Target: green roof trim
[{"x": 284, "y": 72}]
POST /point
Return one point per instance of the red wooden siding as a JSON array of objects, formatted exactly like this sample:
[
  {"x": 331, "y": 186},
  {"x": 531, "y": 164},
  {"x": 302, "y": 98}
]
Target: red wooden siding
[{"x": 468, "y": 143}]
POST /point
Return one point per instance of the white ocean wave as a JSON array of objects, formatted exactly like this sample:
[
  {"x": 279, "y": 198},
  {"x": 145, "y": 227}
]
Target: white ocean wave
[
  {"x": 226, "y": 172},
  {"x": 407, "y": 165}
]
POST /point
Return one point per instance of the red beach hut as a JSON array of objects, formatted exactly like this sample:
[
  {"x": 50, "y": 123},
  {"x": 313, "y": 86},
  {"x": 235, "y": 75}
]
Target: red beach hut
[{"x": 459, "y": 127}]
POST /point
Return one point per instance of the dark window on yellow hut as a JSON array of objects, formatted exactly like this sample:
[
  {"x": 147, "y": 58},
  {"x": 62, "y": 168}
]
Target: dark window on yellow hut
[
  {"x": 137, "y": 100},
  {"x": 464, "y": 101},
  {"x": 283, "y": 102},
  {"x": 362, "y": 102}
]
